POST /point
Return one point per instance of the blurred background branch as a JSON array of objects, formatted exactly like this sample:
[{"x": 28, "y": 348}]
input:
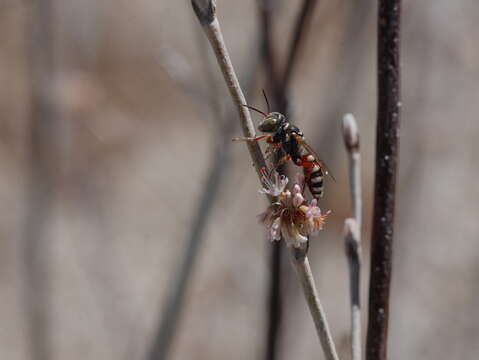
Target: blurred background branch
[{"x": 43, "y": 127}]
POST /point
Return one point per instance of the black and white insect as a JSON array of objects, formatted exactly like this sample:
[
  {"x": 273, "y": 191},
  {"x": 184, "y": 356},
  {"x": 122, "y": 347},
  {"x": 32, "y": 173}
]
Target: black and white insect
[{"x": 281, "y": 134}]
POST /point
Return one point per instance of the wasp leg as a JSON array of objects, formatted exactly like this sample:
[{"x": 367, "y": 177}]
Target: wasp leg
[
  {"x": 271, "y": 149},
  {"x": 280, "y": 161},
  {"x": 305, "y": 163},
  {"x": 257, "y": 138},
  {"x": 283, "y": 160}
]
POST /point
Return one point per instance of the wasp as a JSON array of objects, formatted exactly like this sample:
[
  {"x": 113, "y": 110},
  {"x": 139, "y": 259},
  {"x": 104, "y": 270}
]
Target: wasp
[{"x": 281, "y": 134}]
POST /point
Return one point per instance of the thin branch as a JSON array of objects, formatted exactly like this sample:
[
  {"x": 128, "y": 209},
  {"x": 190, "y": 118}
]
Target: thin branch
[
  {"x": 171, "y": 311},
  {"x": 43, "y": 128},
  {"x": 205, "y": 11},
  {"x": 353, "y": 253},
  {"x": 279, "y": 103},
  {"x": 387, "y": 151},
  {"x": 352, "y": 231},
  {"x": 273, "y": 77},
  {"x": 302, "y": 24},
  {"x": 303, "y": 270},
  {"x": 280, "y": 80}
]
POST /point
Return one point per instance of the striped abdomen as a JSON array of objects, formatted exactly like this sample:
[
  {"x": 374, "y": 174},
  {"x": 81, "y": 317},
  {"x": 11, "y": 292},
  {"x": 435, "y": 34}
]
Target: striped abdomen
[{"x": 313, "y": 176}]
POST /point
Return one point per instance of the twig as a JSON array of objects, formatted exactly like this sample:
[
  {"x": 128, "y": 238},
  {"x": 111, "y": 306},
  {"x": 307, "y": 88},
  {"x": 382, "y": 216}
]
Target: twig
[
  {"x": 387, "y": 150},
  {"x": 352, "y": 231},
  {"x": 302, "y": 24},
  {"x": 273, "y": 76},
  {"x": 174, "y": 303},
  {"x": 43, "y": 128},
  {"x": 275, "y": 298},
  {"x": 353, "y": 253},
  {"x": 303, "y": 270},
  {"x": 205, "y": 11},
  {"x": 280, "y": 81}
]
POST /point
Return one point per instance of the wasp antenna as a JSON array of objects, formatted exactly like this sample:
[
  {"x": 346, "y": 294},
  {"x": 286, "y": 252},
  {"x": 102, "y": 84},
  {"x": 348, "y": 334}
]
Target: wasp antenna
[
  {"x": 254, "y": 109},
  {"x": 267, "y": 102}
]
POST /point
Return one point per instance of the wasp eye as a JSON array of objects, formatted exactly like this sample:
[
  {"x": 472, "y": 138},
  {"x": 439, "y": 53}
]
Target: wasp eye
[{"x": 268, "y": 124}]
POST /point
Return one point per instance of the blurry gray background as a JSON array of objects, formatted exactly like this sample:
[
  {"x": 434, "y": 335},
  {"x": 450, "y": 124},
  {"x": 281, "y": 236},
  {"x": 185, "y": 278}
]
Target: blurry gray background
[{"x": 93, "y": 224}]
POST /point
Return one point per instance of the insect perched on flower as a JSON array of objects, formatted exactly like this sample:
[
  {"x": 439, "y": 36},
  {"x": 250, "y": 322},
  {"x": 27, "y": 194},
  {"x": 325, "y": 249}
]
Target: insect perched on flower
[
  {"x": 281, "y": 134},
  {"x": 291, "y": 216}
]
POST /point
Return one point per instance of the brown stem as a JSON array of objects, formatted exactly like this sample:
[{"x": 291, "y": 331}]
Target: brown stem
[
  {"x": 273, "y": 79},
  {"x": 387, "y": 150},
  {"x": 274, "y": 302},
  {"x": 43, "y": 151}
]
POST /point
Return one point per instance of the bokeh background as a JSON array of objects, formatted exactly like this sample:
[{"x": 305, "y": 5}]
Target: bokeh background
[{"x": 112, "y": 114}]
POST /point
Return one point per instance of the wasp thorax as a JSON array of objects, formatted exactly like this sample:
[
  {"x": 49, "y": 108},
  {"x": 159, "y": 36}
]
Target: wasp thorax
[{"x": 272, "y": 122}]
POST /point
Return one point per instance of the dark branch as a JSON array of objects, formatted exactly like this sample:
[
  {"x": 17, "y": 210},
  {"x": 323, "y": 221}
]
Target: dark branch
[
  {"x": 266, "y": 8},
  {"x": 44, "y": 148},
  {"x": 302, "y": 24},
  {"x": 387, "y": 149}
]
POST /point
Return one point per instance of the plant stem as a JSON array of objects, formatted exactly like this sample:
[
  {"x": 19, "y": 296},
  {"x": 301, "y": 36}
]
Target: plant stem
[
  {"x": 387, "y": 150},
  {"x": 273, "y": 77},
  {"x": 174, "y": 303},
  {"x": 353, "y": 231},
  {"x": 303, "y": 270},
  {"x": 266, "y": 10},
  {"x": 205, "y": 11},
  {"x": 42, "y": 154},
  {"x": 353, "y": 254},
  {"x": 301, "y": 25}
]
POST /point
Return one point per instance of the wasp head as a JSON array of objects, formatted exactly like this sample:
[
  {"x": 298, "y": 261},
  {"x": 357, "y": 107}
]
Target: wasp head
[{"x": 272, "y": 122}]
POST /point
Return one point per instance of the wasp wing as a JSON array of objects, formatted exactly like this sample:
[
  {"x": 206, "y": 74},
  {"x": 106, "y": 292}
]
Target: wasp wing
[{"x": 317, "y": 158}]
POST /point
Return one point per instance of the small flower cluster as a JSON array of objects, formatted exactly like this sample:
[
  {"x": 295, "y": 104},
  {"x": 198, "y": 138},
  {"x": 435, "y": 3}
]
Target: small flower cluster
[{"x": 291, "y": 216}]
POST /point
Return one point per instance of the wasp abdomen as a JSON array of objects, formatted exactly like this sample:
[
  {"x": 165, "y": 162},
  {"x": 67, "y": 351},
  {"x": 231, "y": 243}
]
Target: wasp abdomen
[{"x": 314, "y": 178}]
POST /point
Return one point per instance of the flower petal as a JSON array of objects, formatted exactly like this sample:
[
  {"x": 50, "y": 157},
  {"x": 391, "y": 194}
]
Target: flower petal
[{"x": 298, "y": 199}]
